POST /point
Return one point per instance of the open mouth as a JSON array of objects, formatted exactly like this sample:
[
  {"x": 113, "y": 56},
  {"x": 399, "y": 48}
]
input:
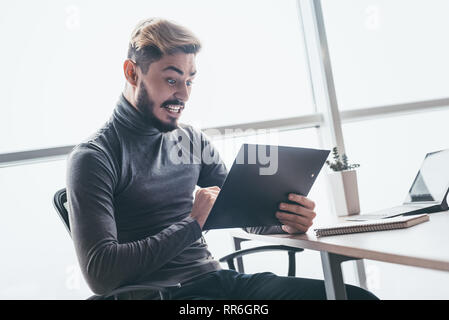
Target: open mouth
[{"x": 174, "y": 108}]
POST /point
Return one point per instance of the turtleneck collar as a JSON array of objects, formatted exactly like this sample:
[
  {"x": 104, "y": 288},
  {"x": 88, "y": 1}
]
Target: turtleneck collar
[{"x": 132, "y": 119}]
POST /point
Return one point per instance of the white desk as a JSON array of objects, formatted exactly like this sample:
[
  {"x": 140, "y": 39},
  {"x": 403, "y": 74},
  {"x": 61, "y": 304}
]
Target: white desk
[{"x": 423, "y": 245}]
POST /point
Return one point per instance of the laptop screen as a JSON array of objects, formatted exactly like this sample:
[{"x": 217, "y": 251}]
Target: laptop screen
[{"x": 432, "y": 181}]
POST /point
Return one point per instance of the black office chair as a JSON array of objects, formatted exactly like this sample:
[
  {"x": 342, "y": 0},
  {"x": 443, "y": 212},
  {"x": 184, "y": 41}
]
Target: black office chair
[{"x": 60, "y": 202}]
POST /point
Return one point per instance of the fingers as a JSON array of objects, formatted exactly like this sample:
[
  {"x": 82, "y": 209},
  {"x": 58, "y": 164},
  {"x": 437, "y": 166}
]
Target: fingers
[
  {"x": 298, "y": 210},
  {"x": 212, "y": 190},
  {"x": 292, "y": 230},
  {"x": 293, "y": 223},
  {"x": 306, "y": 202},
  {"x": 217, "y": 189},
  {"x": 292, "y": 219},
  {"x": 204, "y": 201}
]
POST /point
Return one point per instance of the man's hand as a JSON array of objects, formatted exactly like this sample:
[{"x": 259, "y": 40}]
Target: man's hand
[
  {"x": 204, "y": 200},
  {"x": 299, "y": 217}
]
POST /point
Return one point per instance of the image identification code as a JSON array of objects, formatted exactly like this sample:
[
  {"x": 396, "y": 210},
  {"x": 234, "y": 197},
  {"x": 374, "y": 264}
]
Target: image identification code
[{"x": 226, "y": 309}]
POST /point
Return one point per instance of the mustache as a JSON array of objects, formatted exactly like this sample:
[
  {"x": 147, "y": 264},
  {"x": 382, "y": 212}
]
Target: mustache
[{"x": 173, "y": 102}]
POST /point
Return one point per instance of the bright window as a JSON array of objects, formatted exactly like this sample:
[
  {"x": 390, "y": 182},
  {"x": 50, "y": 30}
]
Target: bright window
[
  {"x": 388, "y": 52},
  {"x": 390, "y": 152},
  {"x": 62, "y": 64}
]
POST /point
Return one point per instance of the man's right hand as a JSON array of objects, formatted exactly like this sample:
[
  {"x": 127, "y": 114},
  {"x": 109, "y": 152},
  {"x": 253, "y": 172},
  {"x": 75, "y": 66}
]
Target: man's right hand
[{"x": 204, "y": 200}]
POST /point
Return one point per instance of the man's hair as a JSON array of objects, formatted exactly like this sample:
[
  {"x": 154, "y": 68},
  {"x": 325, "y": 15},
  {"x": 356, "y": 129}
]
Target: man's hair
[{"x": 153, "y": 38}]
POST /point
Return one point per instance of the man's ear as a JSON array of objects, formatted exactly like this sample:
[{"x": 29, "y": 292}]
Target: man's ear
[{"x": 130, "y": 70}]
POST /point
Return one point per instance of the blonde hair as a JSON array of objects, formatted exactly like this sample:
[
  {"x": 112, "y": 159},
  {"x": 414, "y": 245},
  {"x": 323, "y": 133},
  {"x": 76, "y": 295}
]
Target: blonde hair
[{"x": 152, "y": 38}]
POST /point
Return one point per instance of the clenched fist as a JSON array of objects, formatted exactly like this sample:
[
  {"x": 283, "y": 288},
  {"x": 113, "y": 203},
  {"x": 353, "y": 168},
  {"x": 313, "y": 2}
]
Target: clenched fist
[{"x": 204, "y": 200}]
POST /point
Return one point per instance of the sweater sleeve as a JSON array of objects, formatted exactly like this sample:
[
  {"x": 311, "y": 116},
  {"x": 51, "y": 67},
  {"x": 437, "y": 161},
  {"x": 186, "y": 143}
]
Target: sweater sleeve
[
  {"x": 105, "y": 263},
  {"x": 265, "y": 230},
  {"x": 213, "y": 170}
]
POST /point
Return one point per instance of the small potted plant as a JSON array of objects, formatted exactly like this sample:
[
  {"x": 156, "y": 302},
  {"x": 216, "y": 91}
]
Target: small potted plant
[{"x": 343, "y": 181}]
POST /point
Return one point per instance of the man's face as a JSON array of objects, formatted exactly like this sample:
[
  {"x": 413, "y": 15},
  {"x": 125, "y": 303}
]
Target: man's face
[{"x": 165, "y": 88}]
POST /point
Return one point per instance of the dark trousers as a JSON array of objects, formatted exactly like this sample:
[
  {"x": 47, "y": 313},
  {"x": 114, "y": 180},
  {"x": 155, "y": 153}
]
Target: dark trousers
[{"x": 231, "y": 285}]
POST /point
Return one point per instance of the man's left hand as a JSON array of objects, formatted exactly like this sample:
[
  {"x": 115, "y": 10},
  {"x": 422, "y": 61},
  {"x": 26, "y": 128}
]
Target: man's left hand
[{"x": 299, "y": 217}]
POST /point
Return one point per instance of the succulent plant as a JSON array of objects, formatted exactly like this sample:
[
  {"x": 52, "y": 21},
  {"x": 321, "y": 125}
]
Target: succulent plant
[{"x": 340, "y": 163}]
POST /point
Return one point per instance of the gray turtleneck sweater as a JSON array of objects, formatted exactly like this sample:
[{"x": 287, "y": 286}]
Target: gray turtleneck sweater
[{"x": 130, "y": 193}]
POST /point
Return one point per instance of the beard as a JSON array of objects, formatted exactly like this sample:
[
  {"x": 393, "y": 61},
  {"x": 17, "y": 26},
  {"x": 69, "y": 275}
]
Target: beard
[{"x": 146, "y": 106}]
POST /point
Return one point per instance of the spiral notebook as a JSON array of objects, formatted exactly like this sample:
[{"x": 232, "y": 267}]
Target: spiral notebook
[{"x": 373, "y": 225}]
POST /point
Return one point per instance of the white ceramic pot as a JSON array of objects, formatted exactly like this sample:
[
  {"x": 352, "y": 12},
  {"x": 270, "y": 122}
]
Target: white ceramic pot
[{"x": 345, "y": 192}]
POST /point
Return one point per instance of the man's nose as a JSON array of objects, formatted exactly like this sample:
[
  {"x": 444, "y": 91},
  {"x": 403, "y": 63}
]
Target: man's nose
[{"x": 182, "y": 93}]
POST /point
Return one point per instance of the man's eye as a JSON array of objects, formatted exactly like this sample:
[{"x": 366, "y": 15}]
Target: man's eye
[
  {"x": 171, "y": 81},
  {"x": 189, "y": 83}
]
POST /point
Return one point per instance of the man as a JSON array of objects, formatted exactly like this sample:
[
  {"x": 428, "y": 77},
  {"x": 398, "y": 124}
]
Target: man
[{"x": 132, "y": 211}]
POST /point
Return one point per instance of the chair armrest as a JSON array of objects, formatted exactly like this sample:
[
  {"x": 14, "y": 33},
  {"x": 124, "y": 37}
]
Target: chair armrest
[
  {"x": 229, "y": 259},
  {"x": 160, "y": 287},
  {"x": 240, "y": 253}
]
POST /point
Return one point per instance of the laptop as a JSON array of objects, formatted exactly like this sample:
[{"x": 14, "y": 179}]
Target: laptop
[
  {"x": 426, "y": 195},
  {"x": 260, "y": 178}
]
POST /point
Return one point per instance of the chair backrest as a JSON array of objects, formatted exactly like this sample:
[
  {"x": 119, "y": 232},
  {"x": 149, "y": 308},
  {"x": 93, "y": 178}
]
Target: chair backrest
[{"x": 59, "y": 202}]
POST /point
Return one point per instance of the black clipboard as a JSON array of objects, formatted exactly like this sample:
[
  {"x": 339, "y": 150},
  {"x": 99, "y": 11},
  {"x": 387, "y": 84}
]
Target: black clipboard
[{"x": 253, "y": 190}]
